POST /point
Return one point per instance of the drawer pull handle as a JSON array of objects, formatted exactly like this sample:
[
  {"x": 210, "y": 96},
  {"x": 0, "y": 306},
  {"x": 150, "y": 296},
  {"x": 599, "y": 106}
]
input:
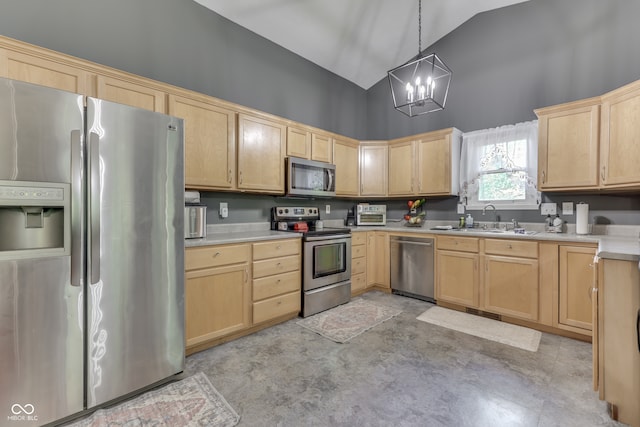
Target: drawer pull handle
[
  {"x": 278, "y": 247},
  {"x": 510, "y": 247},
  {"x": 216, "y": 254}
]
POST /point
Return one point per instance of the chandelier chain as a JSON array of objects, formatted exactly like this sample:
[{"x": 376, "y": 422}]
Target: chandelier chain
[{"x": 419, "y": 27}]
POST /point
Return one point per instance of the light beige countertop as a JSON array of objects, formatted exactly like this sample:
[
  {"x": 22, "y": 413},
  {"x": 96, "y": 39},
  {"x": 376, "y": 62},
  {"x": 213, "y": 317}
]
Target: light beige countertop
[
  {"x": 239, "y": 233},
  {"x": 614, "y": 242}
]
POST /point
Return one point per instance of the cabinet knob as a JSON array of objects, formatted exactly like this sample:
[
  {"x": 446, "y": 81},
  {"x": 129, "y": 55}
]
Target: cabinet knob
[{"x": 509, "y": 246}]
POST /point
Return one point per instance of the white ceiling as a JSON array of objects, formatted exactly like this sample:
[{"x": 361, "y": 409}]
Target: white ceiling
[{"x": 359, "y": 40}]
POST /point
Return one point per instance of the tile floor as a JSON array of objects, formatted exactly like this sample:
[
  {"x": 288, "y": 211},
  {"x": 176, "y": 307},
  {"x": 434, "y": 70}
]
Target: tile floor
[{"x": 402, "y": 372}]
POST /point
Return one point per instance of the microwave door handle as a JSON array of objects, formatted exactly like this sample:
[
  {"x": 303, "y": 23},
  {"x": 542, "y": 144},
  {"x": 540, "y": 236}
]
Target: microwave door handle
[{"x": 330, "y": 175}]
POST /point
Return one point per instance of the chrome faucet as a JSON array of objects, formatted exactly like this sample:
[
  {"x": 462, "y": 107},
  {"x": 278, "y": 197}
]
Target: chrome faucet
[{"x": 495, "y": 214}]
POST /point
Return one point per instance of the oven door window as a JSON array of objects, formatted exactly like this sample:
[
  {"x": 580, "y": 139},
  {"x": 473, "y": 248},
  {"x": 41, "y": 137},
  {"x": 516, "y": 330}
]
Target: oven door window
[{"x": 329, "y": 259}]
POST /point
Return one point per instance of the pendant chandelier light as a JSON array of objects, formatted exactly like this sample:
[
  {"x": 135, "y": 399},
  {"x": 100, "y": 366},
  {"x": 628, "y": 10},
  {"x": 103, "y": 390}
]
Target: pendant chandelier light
[{"x": 421, "y": 85}]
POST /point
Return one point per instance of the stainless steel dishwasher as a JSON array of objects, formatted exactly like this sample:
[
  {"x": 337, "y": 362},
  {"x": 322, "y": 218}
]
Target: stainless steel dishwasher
[{"x": 412, "y": 267}]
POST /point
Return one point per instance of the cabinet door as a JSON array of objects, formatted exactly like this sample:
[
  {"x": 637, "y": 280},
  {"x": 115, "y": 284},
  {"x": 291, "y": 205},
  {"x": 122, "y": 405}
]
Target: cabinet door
[
  {"x": 209, "y": 143},
  {"x": 217, "y": 303},
  {"x": 621, "y": 138},
  {"x": 130, "y": 93},
  {"x": 401, "y": 169},
  {"x": 321, "y": 148},
  {"x": 511, "y": 286},
  {"x": 44, "y": 72},
  {"x": 575, "y": 287},
  {"x": 434, "y": 167},
  {"x": 457, "y": 279},
  {"x": 377, "y": 259},
  {"x": 568, "y": 144},
  {"x": 345, "y": 157},
  {"x": 298, "y": 142},
  {"x": 620, "y": 338},
  {"x": 261, "y": 152},
  {"x": 373, "y": 170}
]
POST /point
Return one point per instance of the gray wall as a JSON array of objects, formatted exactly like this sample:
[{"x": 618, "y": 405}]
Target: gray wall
[
  {"x": 187, "y": 45},
  {"x": 510, "y": 61},
  {"x": 505, "y": 63}
]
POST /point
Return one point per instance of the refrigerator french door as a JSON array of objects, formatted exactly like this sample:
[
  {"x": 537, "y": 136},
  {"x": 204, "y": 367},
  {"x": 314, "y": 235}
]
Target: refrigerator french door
[{"x": 91, "y": 252}]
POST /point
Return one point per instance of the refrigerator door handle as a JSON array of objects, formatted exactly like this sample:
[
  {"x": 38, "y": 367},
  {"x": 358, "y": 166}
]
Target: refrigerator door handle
[
  {"x": 77, "y": 219},
  {"x": 94, "y": 207}
]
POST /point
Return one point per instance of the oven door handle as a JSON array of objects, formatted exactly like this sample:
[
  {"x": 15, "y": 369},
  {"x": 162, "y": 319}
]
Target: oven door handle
[{"x": 327, "y": 237}]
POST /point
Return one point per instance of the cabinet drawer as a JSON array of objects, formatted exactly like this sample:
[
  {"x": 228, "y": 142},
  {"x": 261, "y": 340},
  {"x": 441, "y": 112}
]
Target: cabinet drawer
[
  {"x": 274, "y": 249},
  {"x": 216, "y": 256},
  {"x": 358, "y": 239},
  {"x": 518, "y": 248},
  {"x": 464, "y": 244},
  {"x": 270, "y": 286},
  {"x": 276, "y": 306},
  {"x": 269, "y": 267},
  {"x": 358, "y": 282},
  {"x": 358, "y": 251},
  {"x": 358, "y": 265}
]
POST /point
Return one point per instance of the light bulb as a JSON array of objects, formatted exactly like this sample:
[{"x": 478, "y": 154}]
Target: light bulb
[{"x": 418, "y": 81}]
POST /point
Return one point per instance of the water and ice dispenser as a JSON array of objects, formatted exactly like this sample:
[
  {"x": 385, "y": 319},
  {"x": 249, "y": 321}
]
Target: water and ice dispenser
[{"x": 34, "y": 219}]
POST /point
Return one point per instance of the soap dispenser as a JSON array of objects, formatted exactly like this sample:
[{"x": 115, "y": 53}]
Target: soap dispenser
[{"x": 469, "y": 221}]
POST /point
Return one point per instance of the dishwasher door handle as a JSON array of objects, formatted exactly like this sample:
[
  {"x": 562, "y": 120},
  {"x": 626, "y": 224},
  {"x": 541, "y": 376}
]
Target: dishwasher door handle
[{"x": 404, "y": 242}]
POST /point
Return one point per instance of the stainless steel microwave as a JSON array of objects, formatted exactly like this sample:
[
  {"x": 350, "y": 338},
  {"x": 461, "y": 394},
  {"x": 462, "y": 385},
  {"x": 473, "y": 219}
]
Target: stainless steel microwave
[{"x": 310, "y": 178}]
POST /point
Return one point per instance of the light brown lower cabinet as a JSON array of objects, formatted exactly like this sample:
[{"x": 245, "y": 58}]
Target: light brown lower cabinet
[
  {"x": 236, "y": 289},
  {"x": 575, "y": 288},
  {"x": 358, "y": 262},
  {"x": 458, "y": 278},
  {"x": 511, "y": 286},
  {"x": 457, "y": 270},
  {"x": 619, "y": 338},
  {"x": 276, "y": 279},
  {"x": 217, "y": 292}
]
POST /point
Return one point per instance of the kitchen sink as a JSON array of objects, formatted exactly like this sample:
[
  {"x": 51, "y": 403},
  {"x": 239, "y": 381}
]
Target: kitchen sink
[{"x": 493, "y": 231}]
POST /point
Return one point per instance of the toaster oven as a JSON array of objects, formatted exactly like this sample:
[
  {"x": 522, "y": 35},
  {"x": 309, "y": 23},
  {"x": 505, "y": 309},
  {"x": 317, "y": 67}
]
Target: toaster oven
[{"x": 367, "y": 214}]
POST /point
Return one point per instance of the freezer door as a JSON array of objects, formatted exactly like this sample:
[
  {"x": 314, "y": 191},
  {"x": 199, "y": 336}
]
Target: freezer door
[
  {"x": 135, "y": 271},
  {"x": 41, "y": 333}
]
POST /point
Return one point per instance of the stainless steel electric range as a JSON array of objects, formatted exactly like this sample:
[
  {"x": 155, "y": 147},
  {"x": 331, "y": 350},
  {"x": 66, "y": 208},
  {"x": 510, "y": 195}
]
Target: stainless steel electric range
[{"x": 326, "y": 257}]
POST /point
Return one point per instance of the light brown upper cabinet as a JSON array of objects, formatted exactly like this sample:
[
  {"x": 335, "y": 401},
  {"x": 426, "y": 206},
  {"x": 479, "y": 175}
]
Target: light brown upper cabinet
[
  {"x": 568, "y": 148},
  {"x": 261, "y": 152},
  {"x": 306, "y": 144},
  {"x": 136, "y": 92},
  {"x": 298, "y": 142},
  {"x": 321, "y": 148},
  {"x": 620, "y": 137},
  {"x": 345, "y": 156},
  {"x": 591, "y": 144},
  {"x": 51, "y": 71},
  {"x": 425, "y": 164},
  {"x": 402, "y": 166},
  {"x": 209, "y": 142},
  {"x": 373, "y": 168}
]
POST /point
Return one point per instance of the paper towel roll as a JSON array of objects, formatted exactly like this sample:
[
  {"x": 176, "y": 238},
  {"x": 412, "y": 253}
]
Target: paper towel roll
[{"x": 582, "y": 218}]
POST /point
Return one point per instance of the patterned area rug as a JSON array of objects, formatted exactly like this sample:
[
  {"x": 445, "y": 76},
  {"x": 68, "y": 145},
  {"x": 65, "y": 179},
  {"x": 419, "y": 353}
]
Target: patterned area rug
[
  {"x": 346, "y": 321},
  {"x": 494, "y": 330},
  {"x": 192, "y": 401}
]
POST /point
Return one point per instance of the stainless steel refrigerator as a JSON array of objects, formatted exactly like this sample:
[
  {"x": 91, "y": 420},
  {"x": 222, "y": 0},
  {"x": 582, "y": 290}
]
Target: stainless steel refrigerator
[{"x": 91, "y": 252}]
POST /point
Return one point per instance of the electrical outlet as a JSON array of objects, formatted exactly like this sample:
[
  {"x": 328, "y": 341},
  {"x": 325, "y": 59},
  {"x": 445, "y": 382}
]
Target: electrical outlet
[
  {"x": 460, "y": 208},
  {"x": 567, "y": 208},
  {"x": 327, "y": 209},
  {"x": 224, "y": 210},
  {"x": 548, "y": 208}
]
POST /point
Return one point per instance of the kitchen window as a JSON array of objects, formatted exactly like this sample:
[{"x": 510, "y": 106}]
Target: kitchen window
[{"x": 499, "y": 166}]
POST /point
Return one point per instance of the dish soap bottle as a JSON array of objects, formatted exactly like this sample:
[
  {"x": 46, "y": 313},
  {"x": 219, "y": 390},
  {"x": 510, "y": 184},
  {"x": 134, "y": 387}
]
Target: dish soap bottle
[
  {"x": 548, "y": 223},
  {"x": 469, "y": 221}
]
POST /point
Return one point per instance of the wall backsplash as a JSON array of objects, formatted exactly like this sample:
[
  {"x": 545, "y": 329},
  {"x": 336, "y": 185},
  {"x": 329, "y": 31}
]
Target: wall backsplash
[{"x": 245, "y": 208}]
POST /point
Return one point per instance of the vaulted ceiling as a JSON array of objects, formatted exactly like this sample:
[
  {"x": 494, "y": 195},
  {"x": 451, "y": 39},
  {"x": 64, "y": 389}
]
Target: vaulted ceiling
[{"x": 359, "y": 40}]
